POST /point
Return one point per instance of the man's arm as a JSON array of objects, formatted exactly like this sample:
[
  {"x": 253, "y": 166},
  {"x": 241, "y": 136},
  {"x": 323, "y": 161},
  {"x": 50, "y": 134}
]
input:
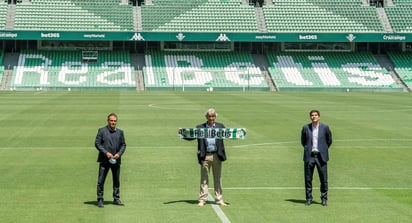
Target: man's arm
[
  {"x": 122, "y": 144},
  {"x": 99, "y": 140},
  {"x": 328, "y": 136},
  {"x": 303, "y": 137}
]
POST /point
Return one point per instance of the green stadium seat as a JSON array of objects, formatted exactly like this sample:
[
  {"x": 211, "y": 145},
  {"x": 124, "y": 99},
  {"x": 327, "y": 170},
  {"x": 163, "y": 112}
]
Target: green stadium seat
[
  {"x": 403, "y": 66},
  {"x": 74, "y": 15},
  {"x": 321, "y": 16},
  {"x": 329, "y": 70},
  {"x": 198, "y": 16},
  {"x": 202, "y": 70},
  {"x": 62, "y": 70},
  {"x": 400, "y": 17}
]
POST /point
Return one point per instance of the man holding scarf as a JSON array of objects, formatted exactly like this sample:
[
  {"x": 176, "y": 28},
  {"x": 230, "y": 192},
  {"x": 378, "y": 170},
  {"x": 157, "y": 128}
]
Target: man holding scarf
[{"x": 210, "y": 153}]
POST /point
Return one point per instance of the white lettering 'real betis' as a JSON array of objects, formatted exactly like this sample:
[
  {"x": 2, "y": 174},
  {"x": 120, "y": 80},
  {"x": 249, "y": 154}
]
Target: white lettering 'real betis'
[
  {"x": 190, "y": 75},
  {"x": 122, "y": 74},
  {"x": 30, "y": 70},
  {"x": 375, "y": 75},
  {"x": 291, "y": 70},
  {"x": 364, "y": 74},
  {"x": 244, "y": 73},
  {"x": 193, "y": 74},
  {"x": 212, "y": 133},
  {"x": 71, "y": 73}
]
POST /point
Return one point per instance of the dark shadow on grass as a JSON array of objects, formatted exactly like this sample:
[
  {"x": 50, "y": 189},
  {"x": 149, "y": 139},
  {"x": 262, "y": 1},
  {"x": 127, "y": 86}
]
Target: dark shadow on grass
[
  {"x": 95, "y": 203},
  {"x": 189, "y": 202},
  {"x": 296, "y": 201},
  {"x": 300, "y": 201},
  {"x": 182, "y": 201},
  {"x": 186, "y": 201}
]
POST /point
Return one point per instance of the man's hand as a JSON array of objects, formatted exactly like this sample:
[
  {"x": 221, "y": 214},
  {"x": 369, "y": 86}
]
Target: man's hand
[
  {"x": 116, "y": 156},
  {"x": 109, "y": 155}
]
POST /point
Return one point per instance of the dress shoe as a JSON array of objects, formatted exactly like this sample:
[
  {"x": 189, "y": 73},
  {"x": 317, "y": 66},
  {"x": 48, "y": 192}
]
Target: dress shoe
[
  {"x": 100, "y": 204},
  {"x": 201, "y": 204},
  {"x": 118, "y": 202},
  {"x": 221, "y": 203},
  {"x": 324, "y": 202},
  {"x": 308, "y": 202}
]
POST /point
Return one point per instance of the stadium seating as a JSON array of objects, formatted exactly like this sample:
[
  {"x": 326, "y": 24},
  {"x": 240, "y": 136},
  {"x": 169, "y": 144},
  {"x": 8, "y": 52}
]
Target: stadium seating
[
  {"x": 329, "y": 70},
  {"x": 75, "y": 15},
  {"x": 163, "y": 11},
  {"x": 403, "y": 66},
  {"x": 199, "y": 16},
  {"x": 62, "y": 70},
  {"x": 321, "y": 16},
  {"x": 3, "y": 15},
  {"x": 402, "y": 2},
  {"x": 202, "y": 70},
  {"x": 228, "y": 70},
  {"x": 400, "y": 17},
  {"x": 1, "y": 66}
]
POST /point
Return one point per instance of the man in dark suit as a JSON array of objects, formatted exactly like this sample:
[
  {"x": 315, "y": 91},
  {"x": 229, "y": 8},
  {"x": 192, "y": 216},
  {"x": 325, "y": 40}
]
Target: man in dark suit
[
  {"x": 316, "y": 138},
  {"x": 210, "y": 153},
  {"x": 111, "y": 145}
]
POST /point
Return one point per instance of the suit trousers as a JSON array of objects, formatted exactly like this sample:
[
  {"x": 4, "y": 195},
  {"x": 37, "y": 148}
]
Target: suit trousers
[
  {"x": 321, "y": 166},
  {"x": 103, "y": 170},
  {"x": 213, "y": 162}
]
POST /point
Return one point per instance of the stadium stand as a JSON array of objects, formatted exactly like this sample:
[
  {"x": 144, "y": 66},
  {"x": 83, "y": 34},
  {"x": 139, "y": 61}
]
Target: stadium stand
[
  {"x": 40, "y": 70},
  {"x": 257, "y": 28},
  {"x": 402, "y": 2},
  {"x": 202, "y": 70},
  {"x": 403, "y": 66},
  {"x": 163, "y": 11},
  {"x": 321, "y": 16},
  {"x": 400, "y": 17},
  {"x": 1, "y": 68},
  {"x": 199, "y": 16},
  {"x": 74, "y": 15},
  {"x": 334, "y": 71},
  {"x": 3, "y": 15}
]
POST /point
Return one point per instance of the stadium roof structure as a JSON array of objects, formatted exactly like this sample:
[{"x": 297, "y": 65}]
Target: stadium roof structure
[{"x": 207, "y": 20}]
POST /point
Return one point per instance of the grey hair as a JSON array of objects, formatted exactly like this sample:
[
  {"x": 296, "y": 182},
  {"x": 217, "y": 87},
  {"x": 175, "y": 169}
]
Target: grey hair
[{"x": 210, "y": 111}]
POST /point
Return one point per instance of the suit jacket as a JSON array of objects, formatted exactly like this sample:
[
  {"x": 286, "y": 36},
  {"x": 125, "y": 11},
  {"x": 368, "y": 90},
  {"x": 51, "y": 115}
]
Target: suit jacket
[
  {"x": 109, "y": 141},
  {"x": 202, "y": 145},
  {"x": 324, "y": 141}
]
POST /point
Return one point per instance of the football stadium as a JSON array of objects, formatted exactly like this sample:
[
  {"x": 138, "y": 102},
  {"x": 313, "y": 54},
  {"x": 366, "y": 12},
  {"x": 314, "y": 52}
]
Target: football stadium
[{"x": 161, "y": 64}]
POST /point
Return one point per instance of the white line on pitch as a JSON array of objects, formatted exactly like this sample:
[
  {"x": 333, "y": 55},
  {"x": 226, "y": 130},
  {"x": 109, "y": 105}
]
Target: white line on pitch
[
  {"x": 331, "y": 188},
  {"x": 279, "y": 143},
  {"x": 218, "y": 210}
]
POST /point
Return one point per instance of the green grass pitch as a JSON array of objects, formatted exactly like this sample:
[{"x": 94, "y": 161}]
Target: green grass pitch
[{"x": 49, "y": 170}]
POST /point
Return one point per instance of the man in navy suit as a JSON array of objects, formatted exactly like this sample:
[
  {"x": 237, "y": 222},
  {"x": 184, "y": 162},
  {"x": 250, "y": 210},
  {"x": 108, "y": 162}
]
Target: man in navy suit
[
  {"x": 316, "y": 138},
  {"x": 111, "y": 145}
]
